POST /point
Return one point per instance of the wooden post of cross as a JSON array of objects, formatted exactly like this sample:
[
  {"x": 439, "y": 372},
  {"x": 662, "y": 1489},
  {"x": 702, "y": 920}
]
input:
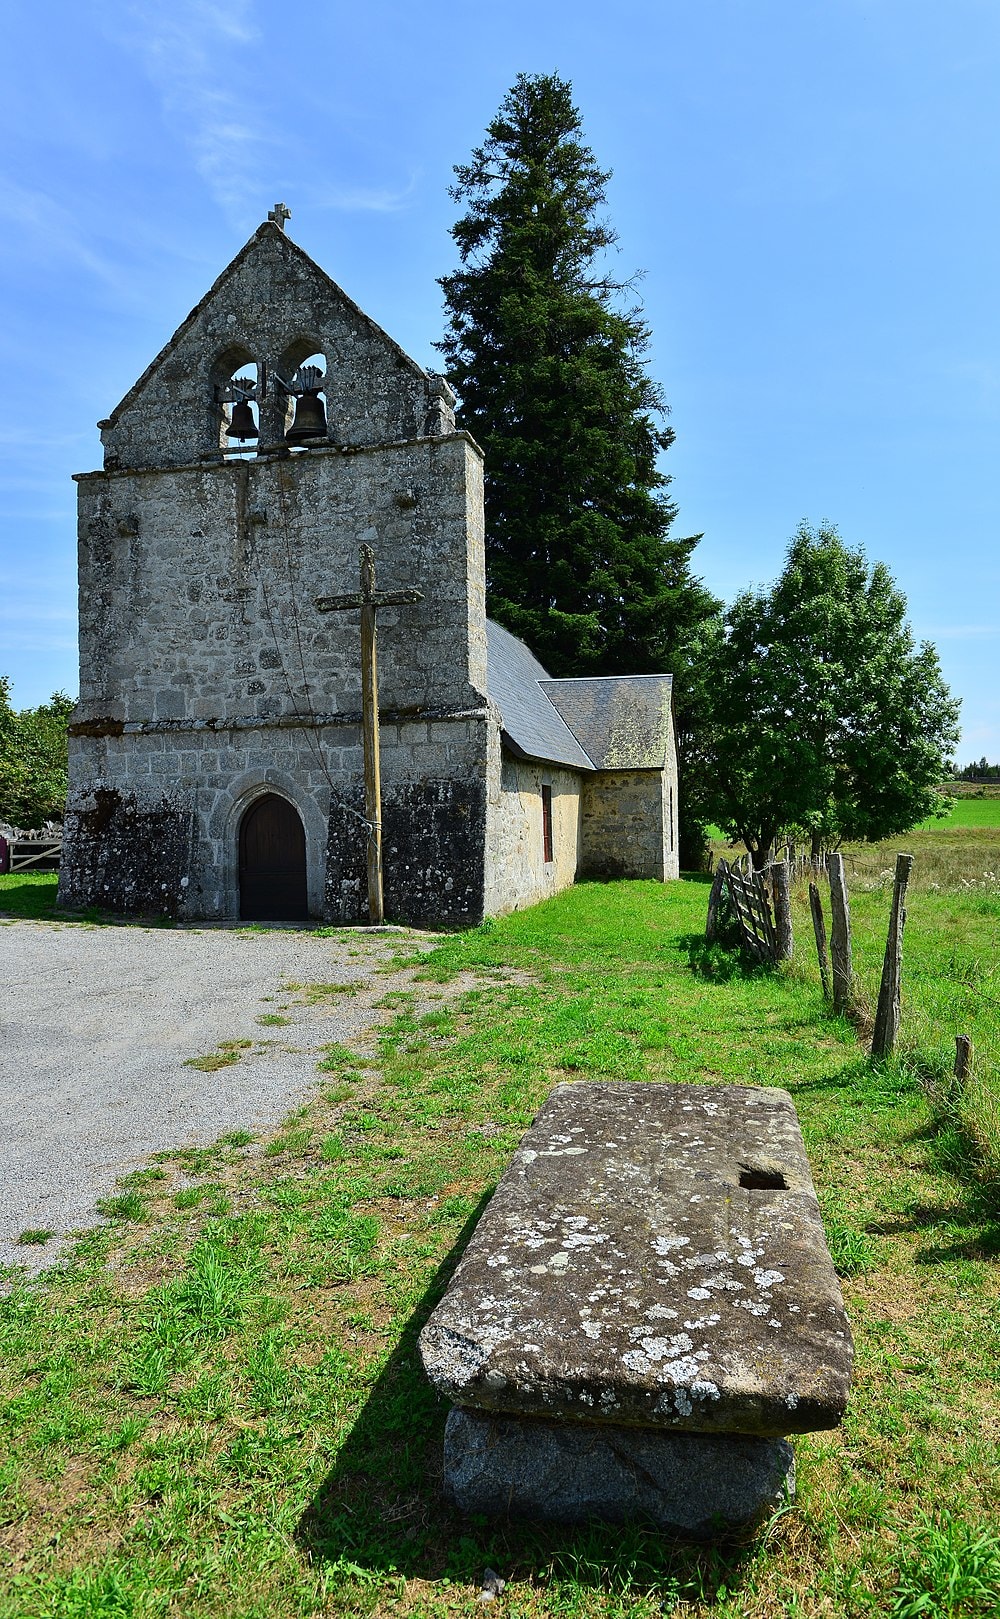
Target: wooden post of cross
[{"x": 369, "y": 599}]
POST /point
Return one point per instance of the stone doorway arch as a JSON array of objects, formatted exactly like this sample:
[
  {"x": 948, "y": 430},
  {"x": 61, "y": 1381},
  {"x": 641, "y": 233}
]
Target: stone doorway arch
[{"x": 272, "y": 862}]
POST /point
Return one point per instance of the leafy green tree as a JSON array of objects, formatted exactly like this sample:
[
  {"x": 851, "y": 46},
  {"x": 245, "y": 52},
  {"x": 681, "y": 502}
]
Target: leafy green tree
[
  {"x": 823, "y": 715},
  {"x": 33, "y": 759},
  {"x": 551, "y": 375}
]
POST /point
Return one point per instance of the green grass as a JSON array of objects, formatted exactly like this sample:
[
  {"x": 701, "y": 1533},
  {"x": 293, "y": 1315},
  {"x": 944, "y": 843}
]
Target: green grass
[
  {"x": 968, "y": 811},
  {"x": 217, "y": 1410},
  {"x": 226, "y": 1054},
  {"x": 29, "y": 895}
]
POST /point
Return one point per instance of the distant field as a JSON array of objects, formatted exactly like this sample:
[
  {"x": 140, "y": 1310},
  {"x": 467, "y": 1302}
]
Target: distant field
[
  {"x": 972, "y": 789},
  {"x": 967, "y": 814},
  {"x": 969, "y": 811}
]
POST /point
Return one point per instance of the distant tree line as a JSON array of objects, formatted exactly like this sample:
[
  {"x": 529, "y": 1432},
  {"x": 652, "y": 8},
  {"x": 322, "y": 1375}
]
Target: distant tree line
[
  {"x": 33, "y": 759},
  {"x": 981, "y": 771}
]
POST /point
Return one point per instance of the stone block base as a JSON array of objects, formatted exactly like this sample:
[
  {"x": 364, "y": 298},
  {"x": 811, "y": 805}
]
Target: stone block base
[{"x": 699, "y": 1486}]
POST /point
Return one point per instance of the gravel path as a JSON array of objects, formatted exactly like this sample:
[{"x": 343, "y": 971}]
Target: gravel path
[{"x": 97, "y": 1023}]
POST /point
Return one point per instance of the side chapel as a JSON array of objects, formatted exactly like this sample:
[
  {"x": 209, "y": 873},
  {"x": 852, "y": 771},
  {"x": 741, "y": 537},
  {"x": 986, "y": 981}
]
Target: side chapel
[{"x": 215, "y": 757}]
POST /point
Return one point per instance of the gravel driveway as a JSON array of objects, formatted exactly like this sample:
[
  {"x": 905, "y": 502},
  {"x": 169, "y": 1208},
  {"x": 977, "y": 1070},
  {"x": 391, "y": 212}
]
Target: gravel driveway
[{"x": 97, "y": 1023}]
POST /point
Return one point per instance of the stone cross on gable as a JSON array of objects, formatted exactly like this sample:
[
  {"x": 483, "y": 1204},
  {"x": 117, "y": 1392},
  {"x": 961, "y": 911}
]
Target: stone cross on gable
[
  {"x": 278, "y": 214},
  {"x": 368, "y": 599}
]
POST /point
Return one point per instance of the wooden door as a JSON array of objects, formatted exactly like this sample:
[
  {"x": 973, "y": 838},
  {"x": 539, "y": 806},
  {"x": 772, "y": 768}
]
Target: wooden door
[{"x": 272, "y": 863}]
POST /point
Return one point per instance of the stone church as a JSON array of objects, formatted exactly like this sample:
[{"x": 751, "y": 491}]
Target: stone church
[{"x": 215, "y": 758}]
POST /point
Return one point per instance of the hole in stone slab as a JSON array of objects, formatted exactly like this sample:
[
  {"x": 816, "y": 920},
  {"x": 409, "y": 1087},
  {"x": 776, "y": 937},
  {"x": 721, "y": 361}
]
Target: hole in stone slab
[{"x": 762, "y": 1180}]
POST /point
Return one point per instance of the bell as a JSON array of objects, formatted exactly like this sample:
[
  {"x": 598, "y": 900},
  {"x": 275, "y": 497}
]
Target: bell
[
  {"x": 242, "y": 424},
  {"x": 310, "y": 419}
]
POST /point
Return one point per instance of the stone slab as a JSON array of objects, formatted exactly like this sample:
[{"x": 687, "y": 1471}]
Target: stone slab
[
  {"x": 700, "y": 1486},
  {"x": 652, "y": 1257}
]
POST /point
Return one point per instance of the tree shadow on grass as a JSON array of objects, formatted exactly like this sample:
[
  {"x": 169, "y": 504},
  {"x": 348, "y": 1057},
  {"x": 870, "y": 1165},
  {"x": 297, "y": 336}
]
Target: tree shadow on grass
[
  {"x": 968, "y": 1228},
  {"x": 865, "y": 1083},
  {"x": 719, "y": 961},
  {"x": 380, "y": 1510}
]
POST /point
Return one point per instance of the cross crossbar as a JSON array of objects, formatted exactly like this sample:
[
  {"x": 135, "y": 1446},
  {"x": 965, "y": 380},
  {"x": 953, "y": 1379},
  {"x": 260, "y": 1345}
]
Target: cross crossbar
[{"x": 354, "y": 598}]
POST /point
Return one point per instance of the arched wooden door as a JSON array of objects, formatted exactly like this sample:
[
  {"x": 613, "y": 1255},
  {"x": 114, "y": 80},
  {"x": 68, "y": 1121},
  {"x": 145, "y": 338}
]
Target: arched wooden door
[{"x": 272, "y": 862}]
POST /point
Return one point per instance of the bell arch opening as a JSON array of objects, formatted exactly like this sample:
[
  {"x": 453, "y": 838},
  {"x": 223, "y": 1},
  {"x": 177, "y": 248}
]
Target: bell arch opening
[
  {"x": 303, "y": 372},
  {"x": 273, "y": 882},
  {"x": 239, "y": 398}
]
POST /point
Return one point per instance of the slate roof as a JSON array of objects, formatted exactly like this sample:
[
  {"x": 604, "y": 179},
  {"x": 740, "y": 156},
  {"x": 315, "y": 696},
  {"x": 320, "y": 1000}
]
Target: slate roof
[
  {"x": 513, "y": 680},
  {"x": 623, "y": 721},
  {"x": 607, "y": 722}
]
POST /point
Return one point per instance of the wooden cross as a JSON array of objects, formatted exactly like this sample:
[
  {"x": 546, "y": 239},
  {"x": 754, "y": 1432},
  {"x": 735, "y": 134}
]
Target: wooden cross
[
  {"x": 369, "y": 599},
  {"x": 278, "y": 214}
]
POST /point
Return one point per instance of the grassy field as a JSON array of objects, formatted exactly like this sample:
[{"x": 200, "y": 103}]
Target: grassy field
[
  {"x": 970, "y": 810},
  {"x": 217, "y": 1409}
]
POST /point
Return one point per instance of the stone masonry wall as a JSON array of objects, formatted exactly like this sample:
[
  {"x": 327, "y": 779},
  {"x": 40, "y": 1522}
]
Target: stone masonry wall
[
  {"x": 629, "y": 821},
  {"x": 517, "y": 873},
  {"x": 155, "y": 817},
  {"x": 628, "y": 824},
  {"x": 197, "y": 584},
  {"x": 207, "y": 674}
]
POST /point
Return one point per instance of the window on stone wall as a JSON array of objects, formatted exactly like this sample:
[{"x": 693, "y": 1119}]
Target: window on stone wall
[
  {"x": 671, "y": 818},
  {"x": 547, "y": 824}
]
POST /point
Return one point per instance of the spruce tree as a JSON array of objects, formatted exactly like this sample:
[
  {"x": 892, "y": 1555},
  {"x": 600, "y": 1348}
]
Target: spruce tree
[{"x": 550, "y": 371}]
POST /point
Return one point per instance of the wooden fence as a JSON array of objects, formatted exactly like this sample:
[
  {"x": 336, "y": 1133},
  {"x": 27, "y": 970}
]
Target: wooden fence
[
  {"x": 749, "y": 899},
  {"x": 34, "y": 854}
]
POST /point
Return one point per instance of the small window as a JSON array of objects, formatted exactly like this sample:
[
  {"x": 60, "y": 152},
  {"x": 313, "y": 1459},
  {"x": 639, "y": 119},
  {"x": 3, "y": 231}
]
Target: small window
[
  {"x": 671, "y": 819},
  {"x": 547, "y": 824}
]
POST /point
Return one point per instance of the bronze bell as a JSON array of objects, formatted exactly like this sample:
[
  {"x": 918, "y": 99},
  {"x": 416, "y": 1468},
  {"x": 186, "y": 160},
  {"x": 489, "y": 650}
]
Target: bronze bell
[
  {"x": 310, "y": 419},
  {"x": 242, "y": 424}
]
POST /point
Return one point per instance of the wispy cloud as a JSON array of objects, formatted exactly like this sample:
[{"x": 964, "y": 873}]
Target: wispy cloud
[
  {"x": 11, "y": 612},
  {"x": 37, "y": 640},
  {"x": 190, "y": 52},
  {"x": 362, "y": 199},
  {"x": 51, "y": 232}
]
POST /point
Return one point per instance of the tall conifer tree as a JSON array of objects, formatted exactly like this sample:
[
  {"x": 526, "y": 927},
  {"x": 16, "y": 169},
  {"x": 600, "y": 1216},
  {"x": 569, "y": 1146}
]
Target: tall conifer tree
[{"x": 550, "y": 371}]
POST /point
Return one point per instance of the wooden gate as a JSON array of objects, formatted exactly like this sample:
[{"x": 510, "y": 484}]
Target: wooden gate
[
  {"x": 751, "y": 906},
  {"x": 273, "y": 863}
]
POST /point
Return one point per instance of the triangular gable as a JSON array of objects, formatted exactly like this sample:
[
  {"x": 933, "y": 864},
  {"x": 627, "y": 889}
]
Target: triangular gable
[
  {"x": 270, "y": 301},
  {"x": 276, "y": 235}
]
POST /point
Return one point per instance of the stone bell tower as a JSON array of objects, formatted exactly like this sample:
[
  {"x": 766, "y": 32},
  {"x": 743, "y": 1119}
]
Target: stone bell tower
[{"x": 215, "y": 757}]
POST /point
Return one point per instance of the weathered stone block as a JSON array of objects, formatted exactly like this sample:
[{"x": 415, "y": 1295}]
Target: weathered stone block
[
  {"x": 701, "y": 1486},
  {"x": 653, "y": 1257}
]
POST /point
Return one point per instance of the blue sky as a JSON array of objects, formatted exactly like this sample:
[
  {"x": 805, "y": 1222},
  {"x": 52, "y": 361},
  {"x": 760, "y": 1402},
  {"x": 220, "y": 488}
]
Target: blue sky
[{"x": 810, "y": 187}]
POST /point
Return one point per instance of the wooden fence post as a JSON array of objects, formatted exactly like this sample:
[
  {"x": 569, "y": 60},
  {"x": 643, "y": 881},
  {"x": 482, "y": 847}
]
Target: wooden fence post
[
  {"x": 781, "y": 892},
  {"x": 715, "y": 900},
  {"x": 840, "y": 935},
  {"x": 963, "y": 1056},
  {"x": 819, "y": 928},
  {"x": 887, "y": 1016}
]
